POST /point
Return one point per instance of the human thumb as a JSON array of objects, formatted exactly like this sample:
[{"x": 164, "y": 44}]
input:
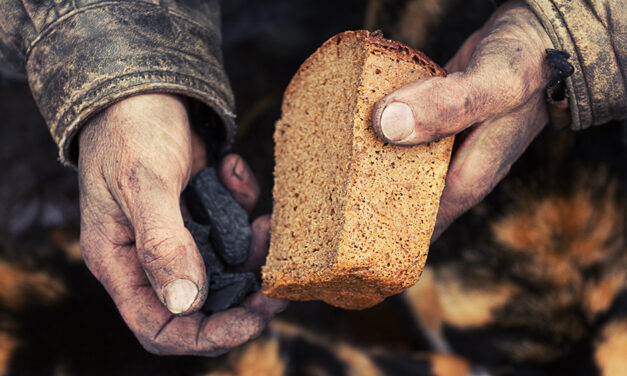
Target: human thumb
[
  {"x": 167, "y": 252},
  {"x": 429, "y": 109}
]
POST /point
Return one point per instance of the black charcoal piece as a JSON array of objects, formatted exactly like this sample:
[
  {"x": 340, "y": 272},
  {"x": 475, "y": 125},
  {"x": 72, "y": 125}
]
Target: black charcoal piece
[
  {"x": 210, "y": 203},
  {"x": 225, "y": 279},
  {"x": 229, "y": 289},
  {"x": 200, "y": 233}
]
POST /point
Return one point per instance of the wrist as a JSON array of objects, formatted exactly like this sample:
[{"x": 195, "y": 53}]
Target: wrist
[{"x": 138, "y": 121}]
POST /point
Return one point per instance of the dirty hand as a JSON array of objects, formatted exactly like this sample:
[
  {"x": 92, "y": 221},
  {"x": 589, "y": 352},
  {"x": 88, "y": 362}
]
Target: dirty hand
[
  {"x": 495, "y": 92},
  {"x": 135, "y": 159}
]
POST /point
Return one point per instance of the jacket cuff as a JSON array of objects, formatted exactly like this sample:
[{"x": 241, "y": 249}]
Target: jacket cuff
[
  {"x": 98, "y": 55},
  {"x": 596, "y": 88}
]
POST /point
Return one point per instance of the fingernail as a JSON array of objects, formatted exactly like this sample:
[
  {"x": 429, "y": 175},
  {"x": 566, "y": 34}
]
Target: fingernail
[
  {"x": 397, "y": 121},
  {"x": 239, "y": 169},
  {"x": 179, "y": 295}
]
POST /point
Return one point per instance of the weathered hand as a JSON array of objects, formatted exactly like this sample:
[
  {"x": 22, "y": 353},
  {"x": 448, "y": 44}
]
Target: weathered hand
[
  {"x": 135, "y": 159},
  {"x": 495, "y": 91}
]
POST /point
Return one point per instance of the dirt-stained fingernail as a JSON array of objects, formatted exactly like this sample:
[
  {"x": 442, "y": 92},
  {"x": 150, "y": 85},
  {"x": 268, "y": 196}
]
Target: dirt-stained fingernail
[
  {"x": 397, "y": 121},
  {"x": 239, "y": 169},
  {"x": 179, "y": 295}
]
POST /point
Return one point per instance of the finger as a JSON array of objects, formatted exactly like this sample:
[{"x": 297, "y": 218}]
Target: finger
[
  {"x": 154, "y": 326},
  {"x": 484, "y": 158},
  {"x": 559, "y": 113},
  {"x": 258, "y": 245},
  {"x": 505, "y": 70},
  {"x": 195, "y": 334},
  {"x": 165, "y": 249},
  {"x": 240, "y": 181},
  {"x": 116, "y": 266},
  {"x": 222, "y": 331},
  {"x": 265, "y": 306},
  {"x": 198, "y": 334}
]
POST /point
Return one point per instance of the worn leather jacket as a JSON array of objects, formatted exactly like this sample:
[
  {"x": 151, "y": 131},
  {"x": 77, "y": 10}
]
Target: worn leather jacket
[{"x": 80, "y": 56}]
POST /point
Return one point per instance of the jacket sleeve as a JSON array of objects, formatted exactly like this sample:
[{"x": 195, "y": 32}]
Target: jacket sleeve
[
  {"x": 80, "y": 56},
  {"x": 594, "y": 33}
]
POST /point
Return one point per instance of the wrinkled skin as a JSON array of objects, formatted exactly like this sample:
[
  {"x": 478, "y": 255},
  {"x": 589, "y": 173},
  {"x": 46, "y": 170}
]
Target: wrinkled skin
[
  {"x": 494, "y": 93},
  {"x": 135, "y": 159}
]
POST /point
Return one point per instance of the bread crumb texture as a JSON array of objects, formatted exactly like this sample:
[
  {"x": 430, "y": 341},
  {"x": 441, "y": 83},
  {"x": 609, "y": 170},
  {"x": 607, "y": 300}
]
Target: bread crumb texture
[{"x": 352, "y": 216}]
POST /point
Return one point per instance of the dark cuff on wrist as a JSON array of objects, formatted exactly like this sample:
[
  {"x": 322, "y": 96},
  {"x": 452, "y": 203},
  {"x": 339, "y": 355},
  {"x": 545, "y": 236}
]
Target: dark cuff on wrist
[{"x": 94, "y": 57}]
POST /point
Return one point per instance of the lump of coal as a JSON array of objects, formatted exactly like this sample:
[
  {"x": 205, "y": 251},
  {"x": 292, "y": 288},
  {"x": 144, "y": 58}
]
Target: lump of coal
[
  {"x": 223, "y": 238},
  {"x": 229, "y": 289},
  {"x": 225, "y": 289},
  {"x": 210, "y": 203},
  {"x": 200, "y": 233}
]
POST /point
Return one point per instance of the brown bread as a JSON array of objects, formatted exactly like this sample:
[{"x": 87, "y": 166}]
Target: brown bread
[{"x": 352, "y": 216}]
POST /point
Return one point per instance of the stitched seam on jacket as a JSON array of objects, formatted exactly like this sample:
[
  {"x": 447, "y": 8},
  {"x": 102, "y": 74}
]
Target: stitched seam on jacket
[{"x": 107, "y": 4}]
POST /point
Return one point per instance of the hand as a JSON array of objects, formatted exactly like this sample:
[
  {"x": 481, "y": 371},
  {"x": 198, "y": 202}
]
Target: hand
[
  {"x": 495, "y": 92},
  {"x": 135, "y": 159}
]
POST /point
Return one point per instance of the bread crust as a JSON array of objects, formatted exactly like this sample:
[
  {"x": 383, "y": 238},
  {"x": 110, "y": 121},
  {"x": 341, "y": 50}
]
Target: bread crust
[{"x": 354, "y": 277}]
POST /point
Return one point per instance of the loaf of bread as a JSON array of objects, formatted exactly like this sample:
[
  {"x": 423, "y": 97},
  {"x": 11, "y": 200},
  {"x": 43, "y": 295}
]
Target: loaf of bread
[{"x": 352, "y": 216}]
